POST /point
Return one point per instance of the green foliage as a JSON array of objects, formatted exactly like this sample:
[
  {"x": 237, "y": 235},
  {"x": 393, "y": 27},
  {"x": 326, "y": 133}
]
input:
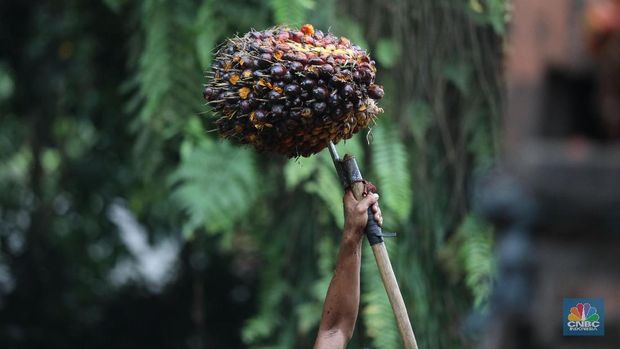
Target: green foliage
[
  {"x": 14, "y": 170},
  {"x": 7, "y": 85},
  {"x": 292, "y": 12},
  {"x": 209, "y": 29},
  {"x": 492, "y": 12},
  {"x": 286, "y": 293},
  {"x": 393, "y": 173},
  {"x": 459, "y": 73},
  {"x": 318, "y": 176},
  {"x": 165, "y": 75},
  {"x": 216, "y": 185},
  {"x": 387, "y": 52},
  {"x": 421, "y": 120},
  {"x": 473, "y": 247},
  {"x": 309, "y": 313},
  {"x": 349, "y": 28},
  {"x": 327, "y": 186},
  {"x": 166, "y": 79}
]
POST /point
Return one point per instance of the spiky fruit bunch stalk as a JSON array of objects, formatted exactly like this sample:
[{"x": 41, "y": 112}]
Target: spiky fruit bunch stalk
[{"x": 292, "y": 91}]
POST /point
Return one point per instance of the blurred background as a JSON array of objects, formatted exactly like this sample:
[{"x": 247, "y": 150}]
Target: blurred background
[{"x": 124, "y": 223}]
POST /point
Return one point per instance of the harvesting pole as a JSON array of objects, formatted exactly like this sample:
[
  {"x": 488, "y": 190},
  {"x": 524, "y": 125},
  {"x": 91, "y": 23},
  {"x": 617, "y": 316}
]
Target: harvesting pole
[{"x": 351, "y": 177}]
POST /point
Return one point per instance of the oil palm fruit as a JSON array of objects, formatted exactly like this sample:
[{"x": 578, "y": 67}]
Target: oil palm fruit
[{"x": 291, "y": 91}]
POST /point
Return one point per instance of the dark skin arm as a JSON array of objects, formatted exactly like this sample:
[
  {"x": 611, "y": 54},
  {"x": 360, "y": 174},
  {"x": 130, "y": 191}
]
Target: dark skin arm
[{"x": 343, "y": 296}]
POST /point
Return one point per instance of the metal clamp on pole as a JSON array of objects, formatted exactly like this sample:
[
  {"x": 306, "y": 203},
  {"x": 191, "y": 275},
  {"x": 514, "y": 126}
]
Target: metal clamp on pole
[{"x": 349, "y": 174}]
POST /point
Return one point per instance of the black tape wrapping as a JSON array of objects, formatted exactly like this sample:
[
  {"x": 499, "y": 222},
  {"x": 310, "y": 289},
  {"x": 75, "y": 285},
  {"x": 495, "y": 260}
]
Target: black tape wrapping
[{"x": 373, "y": 230}]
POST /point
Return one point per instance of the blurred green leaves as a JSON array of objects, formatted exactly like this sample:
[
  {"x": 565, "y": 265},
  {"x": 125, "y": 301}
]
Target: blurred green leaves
[
  {"x": 492, "y": 12},
  {"x": 349, "y": 28},
  {"x": 421, "y": 120},
  {"x": 77, "y": 137},
  {"x": 387, "y": 52},
  {"x": 318, "y": 176},
  {"x": 208, "y": 29},
  {"x": 215, "y": 185},
  {"x": 7, "y": 85},
  {"x": 292, "y": 12},
  {"x": 393, "y": 172},
  {"x": 473, "y": 247},
  {"x": 14, "y": 170},
  {"x": 459, "y": 73}
]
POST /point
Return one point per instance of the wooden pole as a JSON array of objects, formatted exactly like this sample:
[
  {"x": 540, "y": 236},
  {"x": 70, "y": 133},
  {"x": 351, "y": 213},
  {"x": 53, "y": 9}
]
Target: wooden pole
[
  {"x": 393, "y": 292},
  {"x": 389, "y": 282}
]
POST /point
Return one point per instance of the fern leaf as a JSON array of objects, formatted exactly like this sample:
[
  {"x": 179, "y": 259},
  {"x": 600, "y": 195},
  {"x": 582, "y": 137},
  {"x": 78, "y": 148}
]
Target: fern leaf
[
  {"x": 476, "y": 255},
  {"x": 320, "y": 177},
  {"x": 469, "y": 257},
  {"x": 215, "y": 201},
  {"x": 327, "y": 186},
  {"x": 166, "y": 79},
  {"x": 208, "y": 29},
  {"x": 393, "y": 174}
]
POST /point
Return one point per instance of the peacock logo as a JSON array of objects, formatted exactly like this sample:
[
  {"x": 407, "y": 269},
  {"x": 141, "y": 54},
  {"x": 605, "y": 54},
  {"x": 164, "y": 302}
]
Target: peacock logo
[
  {"x": 583, "y": 317},
  {"x": 583, "y": 312}
]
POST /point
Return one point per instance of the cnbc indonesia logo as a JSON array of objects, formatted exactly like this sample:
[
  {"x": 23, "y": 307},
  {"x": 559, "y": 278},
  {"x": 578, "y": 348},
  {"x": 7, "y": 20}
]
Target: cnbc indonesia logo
[{"x": 584, "y": 318}]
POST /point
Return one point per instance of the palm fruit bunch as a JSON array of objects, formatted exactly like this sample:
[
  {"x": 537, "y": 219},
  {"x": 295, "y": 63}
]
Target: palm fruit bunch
[{"x": 292, "y": 91}]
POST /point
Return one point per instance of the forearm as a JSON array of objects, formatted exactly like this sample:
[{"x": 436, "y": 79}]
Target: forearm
[{"x": 343, "y": 295}]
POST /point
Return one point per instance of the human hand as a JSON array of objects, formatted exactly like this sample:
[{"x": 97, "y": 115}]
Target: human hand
[{"x": 356, "y": 212}]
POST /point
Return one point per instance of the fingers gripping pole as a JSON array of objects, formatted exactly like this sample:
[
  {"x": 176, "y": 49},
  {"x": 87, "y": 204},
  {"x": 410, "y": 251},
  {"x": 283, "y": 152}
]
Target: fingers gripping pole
[{"x": 350, "y": 176}]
